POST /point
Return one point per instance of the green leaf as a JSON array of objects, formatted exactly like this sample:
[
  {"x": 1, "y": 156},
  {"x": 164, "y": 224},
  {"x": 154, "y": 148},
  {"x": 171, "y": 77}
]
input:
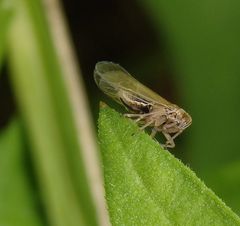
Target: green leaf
[
  {"x": 41, "y": 94},
  {"x": 5, "y": 16},
  {"x": 18, "y": 202},
  {"x": 146, "y": 185}
]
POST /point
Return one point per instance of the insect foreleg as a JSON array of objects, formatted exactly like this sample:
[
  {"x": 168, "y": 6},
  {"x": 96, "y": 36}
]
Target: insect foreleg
[
  {"x": 176, "y": 134},
  {"x": 169, "y": 143}
]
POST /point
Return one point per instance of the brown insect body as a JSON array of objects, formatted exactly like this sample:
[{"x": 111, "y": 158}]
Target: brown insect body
[
  {"x": 134, "y": 103},
  {"x": 146, "y": 107}
]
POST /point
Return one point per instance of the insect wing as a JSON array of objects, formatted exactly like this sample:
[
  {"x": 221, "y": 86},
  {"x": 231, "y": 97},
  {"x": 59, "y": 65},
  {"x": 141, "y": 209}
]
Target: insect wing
[{"x": 112, "y": 79}]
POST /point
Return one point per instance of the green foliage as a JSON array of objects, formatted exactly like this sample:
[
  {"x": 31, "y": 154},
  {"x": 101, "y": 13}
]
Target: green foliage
[
  {"x": 18, "y": 206},
  {"x": 146, "y": 185},
  {"x": 5, "y": 17},
  {"x": 39, "y": 87}
]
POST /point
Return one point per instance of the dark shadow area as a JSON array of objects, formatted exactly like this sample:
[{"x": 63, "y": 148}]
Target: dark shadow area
[
  {"x": 118, "y": 31},
  {"x": 7, "y": 103}
]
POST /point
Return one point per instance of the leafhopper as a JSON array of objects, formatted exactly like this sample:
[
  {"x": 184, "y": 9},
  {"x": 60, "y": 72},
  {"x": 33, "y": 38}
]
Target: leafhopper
[{"x": 146, "y": 107}]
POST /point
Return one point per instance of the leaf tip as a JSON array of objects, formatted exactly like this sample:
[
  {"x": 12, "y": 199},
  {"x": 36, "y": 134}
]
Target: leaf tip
[{"x": 102, "y": 105}]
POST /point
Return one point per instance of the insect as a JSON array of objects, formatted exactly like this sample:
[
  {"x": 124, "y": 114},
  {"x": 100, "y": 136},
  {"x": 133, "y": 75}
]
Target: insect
[{"x": 145, "y": 106}]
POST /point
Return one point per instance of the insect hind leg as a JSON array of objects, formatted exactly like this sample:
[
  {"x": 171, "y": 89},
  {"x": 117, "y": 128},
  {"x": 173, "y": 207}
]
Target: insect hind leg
[
  {"x": 154, "y": 132},
  {"x": 132, "y": 115}
]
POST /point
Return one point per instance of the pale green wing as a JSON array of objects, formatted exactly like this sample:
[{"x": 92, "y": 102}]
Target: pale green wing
[{"x": 111, "y": 78}]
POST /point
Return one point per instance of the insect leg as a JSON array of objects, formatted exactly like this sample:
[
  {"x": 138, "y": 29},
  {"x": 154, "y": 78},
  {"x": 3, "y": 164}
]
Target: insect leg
[
  {"x": 146, "y": 125},
  {"x": 176, "y": 134},
  {"x": 169, "y": 143},
  {"x": 138, "y": 117},
  {"x": 132, "y": 115},
  {"x": 153, "y": 133}
]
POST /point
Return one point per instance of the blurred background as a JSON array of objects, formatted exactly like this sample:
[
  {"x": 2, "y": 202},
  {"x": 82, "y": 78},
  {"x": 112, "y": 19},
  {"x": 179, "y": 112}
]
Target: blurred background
[{"x": 187, "y": 51}]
